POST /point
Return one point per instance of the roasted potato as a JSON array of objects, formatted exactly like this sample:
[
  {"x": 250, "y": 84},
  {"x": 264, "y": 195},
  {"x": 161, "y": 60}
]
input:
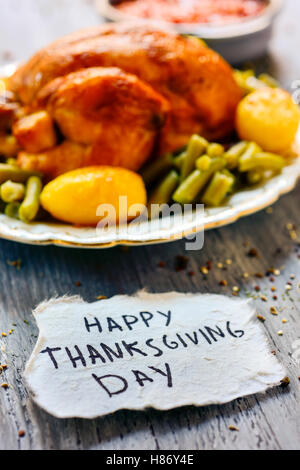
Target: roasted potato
[
  {"x": 75, "y": 196},
  {"x": 268, "y": 117}
]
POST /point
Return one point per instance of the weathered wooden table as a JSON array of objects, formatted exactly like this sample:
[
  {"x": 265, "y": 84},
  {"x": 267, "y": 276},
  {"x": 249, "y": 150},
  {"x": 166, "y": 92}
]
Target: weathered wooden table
[{"x": 270, "y": 421}]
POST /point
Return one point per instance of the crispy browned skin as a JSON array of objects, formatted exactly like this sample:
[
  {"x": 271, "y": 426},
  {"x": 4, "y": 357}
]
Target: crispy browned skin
[
  {"x": 65, "y": 157},
  {"x": 8, "y": 107},
  {"x": 114, "y": 112},
  {"x": 197, "y": 82},
  {"x": 108, "y": 117},
  {"x": 35, "y": 132}
]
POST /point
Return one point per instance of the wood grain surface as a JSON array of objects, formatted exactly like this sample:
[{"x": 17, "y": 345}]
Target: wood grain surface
[{"x": 29, "y": 275}]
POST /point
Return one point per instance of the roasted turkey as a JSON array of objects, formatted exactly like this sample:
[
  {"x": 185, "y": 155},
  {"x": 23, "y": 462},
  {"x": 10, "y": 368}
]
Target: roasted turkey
[{"x": 118, "y": 94}]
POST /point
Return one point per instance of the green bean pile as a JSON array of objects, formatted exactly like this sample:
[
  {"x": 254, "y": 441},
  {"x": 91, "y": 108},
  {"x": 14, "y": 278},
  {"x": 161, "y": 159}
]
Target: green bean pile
[
  {"x": 207, "y": 173},
  {"x": 248, "y": 82},
  {"x": 19, "y": 192}
]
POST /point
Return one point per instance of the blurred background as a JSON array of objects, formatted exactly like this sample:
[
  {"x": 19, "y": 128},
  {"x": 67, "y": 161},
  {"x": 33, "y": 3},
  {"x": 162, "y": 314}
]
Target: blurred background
[{"x": 27, "y": 25}]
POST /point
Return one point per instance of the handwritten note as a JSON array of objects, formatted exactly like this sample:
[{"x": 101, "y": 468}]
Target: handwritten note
[{"x": 149, "y": 350}]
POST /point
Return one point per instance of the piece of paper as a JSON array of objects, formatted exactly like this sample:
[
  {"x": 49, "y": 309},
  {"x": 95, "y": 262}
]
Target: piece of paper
[{"x": 148, "y": 350}]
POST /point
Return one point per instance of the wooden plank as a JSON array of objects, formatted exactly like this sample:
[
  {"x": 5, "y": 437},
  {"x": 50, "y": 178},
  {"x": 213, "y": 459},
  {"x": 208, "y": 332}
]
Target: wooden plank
[{"x": 270, "y": 421}]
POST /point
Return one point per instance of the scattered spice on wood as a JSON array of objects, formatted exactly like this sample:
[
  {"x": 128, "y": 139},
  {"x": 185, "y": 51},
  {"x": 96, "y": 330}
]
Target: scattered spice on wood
[
  {"x": 228, "y": 262},
  {"x": 161, "y": 264},
  {"x": 220, "y": 265},
  {"x": 285, "y": 382},
  {"x": 101, "y": 297},
  {"x": 293, "y": 235},
  {"x": 273, "y": 310},
  {"x": 261, "y": 318},
  {"x": 259, "y": 275},
  {"x": 246, "y": 275},
  {"x": 253, "y": 253},
  {"x": 191, "y": 273},
  {"x": 223, "y": 283},
  {"x": 17, "y": 263},
  {"x": 231, "y": 427},
  {"x": 204, "y": 270},
  {"x": 181, "y": 263}
]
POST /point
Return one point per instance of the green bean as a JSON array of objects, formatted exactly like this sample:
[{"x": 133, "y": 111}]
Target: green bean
[
  {"x": 11, "y": 192},
  {"x": 12, "y": 210},
  {"x": 255, "y": 176},
  {"x": 204, "y": 162},
  {"x": 215, "y": 150},
  {"x": 159, "y": 167},
  {"x": 265, "y": 160},
  {"x": 163, "y": 192},
  {"x": 196, "y": 147},
  {"x": 219, "y": 187},
  {"x": 15, "y": 174},
  {"x": 241, "y": 77},
  {"x": 268, "y": 80},
  {"x": 216, "y": 164},
  {"x": 30, "y": 206},
  {"x": 233, "y": 178},
  {"x": 253, "y": 84},
  {"x": 189, "y": 189},
  {"x": 246, "y": 158},
  {"x": 178, "y": 160},
  {"x": 248, "y": 82},
  {"x": 233, "y": 154}
]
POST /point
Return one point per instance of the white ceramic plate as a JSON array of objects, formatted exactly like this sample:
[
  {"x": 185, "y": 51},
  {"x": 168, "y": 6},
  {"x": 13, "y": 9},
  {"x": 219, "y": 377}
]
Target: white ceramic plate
[{"x": 239, "y": 205}]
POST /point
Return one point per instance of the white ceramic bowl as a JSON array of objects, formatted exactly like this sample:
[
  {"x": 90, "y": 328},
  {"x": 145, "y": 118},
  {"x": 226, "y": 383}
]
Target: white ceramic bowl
[{"x": 236, "y": 42}]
